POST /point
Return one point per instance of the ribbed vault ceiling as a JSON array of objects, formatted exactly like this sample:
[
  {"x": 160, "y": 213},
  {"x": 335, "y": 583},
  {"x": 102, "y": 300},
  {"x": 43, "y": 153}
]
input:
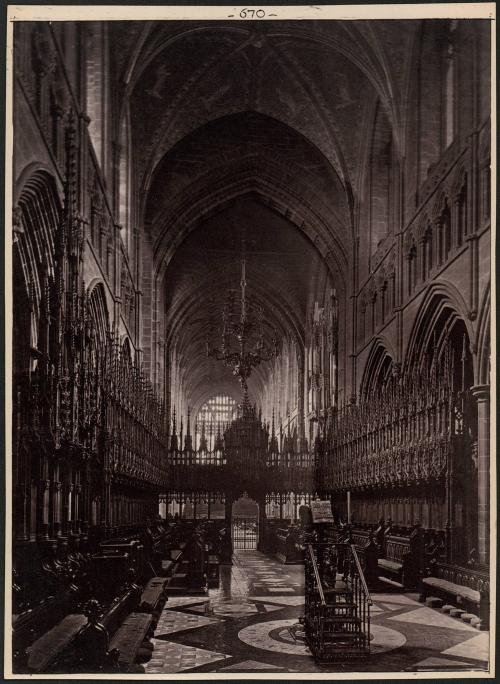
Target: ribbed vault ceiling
[
  {"x": 258, "y": 127},
  {"x": 284, "y": 271}
]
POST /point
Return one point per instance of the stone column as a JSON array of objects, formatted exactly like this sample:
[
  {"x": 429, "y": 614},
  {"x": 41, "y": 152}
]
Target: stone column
[
  {"x": 422, "y": 262},
  {"x": 482, "y": 396},
  {"x": 473, "y": 242}
]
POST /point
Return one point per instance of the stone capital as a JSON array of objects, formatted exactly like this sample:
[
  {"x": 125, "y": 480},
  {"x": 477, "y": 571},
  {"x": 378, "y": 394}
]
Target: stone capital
[{"x": 481, "y": 393}]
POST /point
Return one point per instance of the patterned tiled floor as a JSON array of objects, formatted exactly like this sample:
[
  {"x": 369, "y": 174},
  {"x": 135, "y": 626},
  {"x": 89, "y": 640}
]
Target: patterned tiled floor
[
  {"x": 171, "y": 621},
  {"x": 169, "y": 657},
  {"x": 244, "y": 627}
]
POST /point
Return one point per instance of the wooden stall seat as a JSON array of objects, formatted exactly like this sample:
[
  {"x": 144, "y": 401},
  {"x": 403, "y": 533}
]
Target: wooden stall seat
[
  {"x": 166, "y": 567},
  {"x": 130, "y": 637},
  {"x": 32, "y": 624},
  {"x": 153, "y": 597},
  {"x": 51, "y": 645},
  {"x": 360, "y": 538},
  {"x": 463, "y": 587},
  {"x": 400, "y": 564},
  {"x": 287, "y": 551},
  {"x": 119, "y": 609}
]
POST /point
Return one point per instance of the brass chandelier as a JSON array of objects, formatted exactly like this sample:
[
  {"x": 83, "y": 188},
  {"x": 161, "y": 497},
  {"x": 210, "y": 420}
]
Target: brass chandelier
[{"x": 243, "y": 345}]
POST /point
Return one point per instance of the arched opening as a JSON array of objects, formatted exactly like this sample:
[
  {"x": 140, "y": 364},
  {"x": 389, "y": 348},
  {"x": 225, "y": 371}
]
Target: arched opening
[
  {"x": 124, "y": 183},
  {"x": 437, "y": 92},
  {"x": 383, "y": 180},
  {"x": 35, "y": 222},
  {"x": 442, "y": 350},
  {"x": 97, "y": 96},
  {"x": 245, "y": 523},
  {"x": 99, "y": 313},
  {"x": 378, "y": 372}
]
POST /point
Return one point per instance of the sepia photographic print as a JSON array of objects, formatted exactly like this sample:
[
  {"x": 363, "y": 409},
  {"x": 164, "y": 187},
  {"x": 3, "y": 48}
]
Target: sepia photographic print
[{"x": 248, "y": 342}]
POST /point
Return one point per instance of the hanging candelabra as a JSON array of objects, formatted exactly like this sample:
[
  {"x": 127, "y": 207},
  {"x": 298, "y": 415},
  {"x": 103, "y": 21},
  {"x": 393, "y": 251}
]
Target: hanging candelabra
[{"x": 243, "y": 342}]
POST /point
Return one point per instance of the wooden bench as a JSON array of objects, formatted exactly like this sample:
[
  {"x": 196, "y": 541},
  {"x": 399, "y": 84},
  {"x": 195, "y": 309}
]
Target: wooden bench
[
  {"x": 167, "y": 567},
  {"x": 49, "y": 647},
  {"x": 130, "y": 639},
  {"x": 467, "y": 587},
  {"x": 400, "y": 564},
  {"x": 360, "y": 538},
  {"x": 114, "y": 640},
  {"x": 287, "y": 551},
  {"x": 153, "y": 597},
  {"x": 213, "y": 566},
  {"x": 109, "y": 571},
  {"x": 120, "y": 608},
  {"x": 33, "y": 623},
  {"x": 56, "y": 644}
]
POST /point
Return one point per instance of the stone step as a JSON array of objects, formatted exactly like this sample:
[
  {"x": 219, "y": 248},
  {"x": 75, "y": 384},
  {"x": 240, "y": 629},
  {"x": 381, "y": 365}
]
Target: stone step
[
  {"x": 391, "y": 583},
  {"x": 456, "y": 612},
  {"x": 467, "y": 617},
  {"x": 348, "y": 619},
  {"x": 433, "y": 602},
  {"x": 446, "y": 608},
  {"x": 341, "y": 636}
]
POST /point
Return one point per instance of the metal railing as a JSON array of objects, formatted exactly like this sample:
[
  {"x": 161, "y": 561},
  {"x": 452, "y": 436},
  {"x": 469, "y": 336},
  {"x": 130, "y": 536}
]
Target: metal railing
[{"x": 337, "y": 603}]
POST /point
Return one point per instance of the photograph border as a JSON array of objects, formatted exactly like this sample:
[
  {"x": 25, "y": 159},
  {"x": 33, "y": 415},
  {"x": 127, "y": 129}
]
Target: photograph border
[{"x": 43, "y": 13}]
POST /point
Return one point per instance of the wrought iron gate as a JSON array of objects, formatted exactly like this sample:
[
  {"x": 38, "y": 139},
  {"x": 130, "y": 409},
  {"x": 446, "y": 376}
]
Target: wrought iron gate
[{"x": 245, "y": 532}]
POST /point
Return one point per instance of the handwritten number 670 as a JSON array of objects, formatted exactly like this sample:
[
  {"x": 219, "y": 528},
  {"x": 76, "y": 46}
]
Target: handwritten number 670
[{"x": 252, "y": 14}]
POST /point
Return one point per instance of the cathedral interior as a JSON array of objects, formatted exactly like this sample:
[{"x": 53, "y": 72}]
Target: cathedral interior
[{"x": 251, "y": 347}]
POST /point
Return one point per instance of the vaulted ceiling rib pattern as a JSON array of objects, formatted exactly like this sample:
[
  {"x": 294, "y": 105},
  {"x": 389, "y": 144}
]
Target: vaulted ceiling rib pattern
[{"x": 261, "y": 127}]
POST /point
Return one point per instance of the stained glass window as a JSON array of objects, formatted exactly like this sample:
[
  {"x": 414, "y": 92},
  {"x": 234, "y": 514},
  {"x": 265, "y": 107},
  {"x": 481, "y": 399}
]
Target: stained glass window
[{"x": 214, "y": 416}]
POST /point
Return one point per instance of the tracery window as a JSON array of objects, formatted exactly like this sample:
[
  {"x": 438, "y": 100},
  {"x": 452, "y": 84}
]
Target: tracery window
[
  {"x": 97, "y": 88},
  {"x": 449, "y": 95},
  {"x": 213, "y": 418},
  {"x": 124, "y": 183}
]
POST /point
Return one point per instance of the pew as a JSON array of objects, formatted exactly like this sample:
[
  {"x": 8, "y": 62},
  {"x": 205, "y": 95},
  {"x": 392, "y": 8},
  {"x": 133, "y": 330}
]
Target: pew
[
  {"x": 50, "y": 646},
  {"x": 189, "y": 575},
  {"x": 287, "y": 551},
  {"x": 360, "y": 538},
  {"x": 40, "y": 629},
  {"x": 118, "y": 636},
  {"x": 401, "y": 564},
  {"x": 390, "y": 555},
  {"x": 130, "y": 640},
  {"x": 153, "y": 597},
  {"x": 31, "y": 626},
  {"x": 121, "y": 603},
  {"x": 466, "y": 587}
]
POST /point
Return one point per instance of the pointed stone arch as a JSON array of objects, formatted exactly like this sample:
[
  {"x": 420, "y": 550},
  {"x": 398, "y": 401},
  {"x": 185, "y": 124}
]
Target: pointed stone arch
[{"x": 379, "y": 364}]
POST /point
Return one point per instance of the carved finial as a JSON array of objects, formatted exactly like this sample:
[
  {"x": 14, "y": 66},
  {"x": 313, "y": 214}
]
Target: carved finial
[{"x": 92, "y": 611}]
